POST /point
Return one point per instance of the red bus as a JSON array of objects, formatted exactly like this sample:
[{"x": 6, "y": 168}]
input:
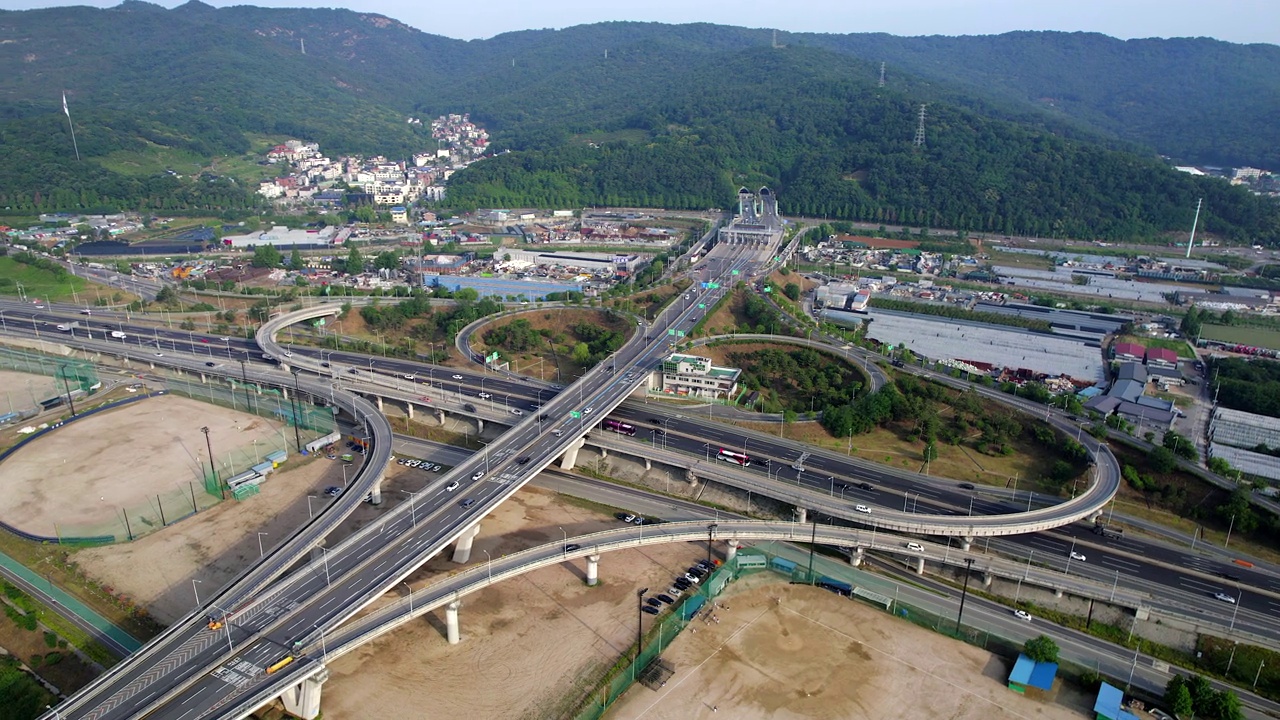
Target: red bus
[
  {"x": 618, "y": 427},
  {"x": 734, "y": 457}
]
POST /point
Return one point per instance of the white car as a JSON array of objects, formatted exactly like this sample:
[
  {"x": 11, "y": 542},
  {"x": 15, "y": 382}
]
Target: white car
[
  {"x": 225, "y": 339},
  {"x": 456, "y": 377},
  {"x": 451, "y": 486},
  {"x": 588, "y": 410},
  {"x": 477, "y": 475},
  {"x": 517, "y": 411},
  {"x": 1077, "y": 556},
  {"x": 557, "y": 432},
  {"x": 288, "y": 354},
  {"x": 1022, "y": 615},
  {"x": 1224, "y": 598},
  {"x": 159, "y": 354},
  {"x": 862, "y": 509},
  {"x": 484, "y": 395},
  {"x": 411, "y": 377}
]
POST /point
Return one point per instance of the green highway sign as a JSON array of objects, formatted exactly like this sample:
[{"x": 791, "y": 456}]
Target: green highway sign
[
  {"x": 702, "y": 306},
  {"x": 768, "y": 288},
  {"x": 575, "y": 414},
  {"x": 492, "y": 357},
  {"x": 671, "y": 332},
  {"x": 680, "y": 333},
  {"x": 735, "y": 272},
  {"x": 714, "y": 286}
]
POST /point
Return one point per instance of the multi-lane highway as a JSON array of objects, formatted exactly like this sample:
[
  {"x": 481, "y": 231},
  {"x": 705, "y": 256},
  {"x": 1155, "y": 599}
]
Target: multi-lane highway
[{"x": 321, "y": 594}]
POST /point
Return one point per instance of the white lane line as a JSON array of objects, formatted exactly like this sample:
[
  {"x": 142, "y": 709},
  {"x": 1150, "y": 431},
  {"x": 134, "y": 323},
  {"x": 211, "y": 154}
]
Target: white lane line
[{"x": 1122, "y": 564}]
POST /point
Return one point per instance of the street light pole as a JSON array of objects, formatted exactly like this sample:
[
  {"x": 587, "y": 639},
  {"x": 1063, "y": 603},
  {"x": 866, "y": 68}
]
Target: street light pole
[
  {"x": 209, "y": 445},
  {"x": 639, "y": 625},
  {"x": 711, "y": 533},
  {"x": 296, "y": 408},
  {"x": 489, "y": 566},
  {"x": 565, "y": 545},
  {"x": 194, "y": 591},
  {"x": 260, "y": 553},
  {"x": 968, "y": 570}
]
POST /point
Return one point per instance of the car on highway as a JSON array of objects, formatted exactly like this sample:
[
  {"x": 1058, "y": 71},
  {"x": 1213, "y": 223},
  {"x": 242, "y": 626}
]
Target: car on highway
[
  {"x": 466, "y": 503},
  {"x": 966, "y": 486},
  {"x": 557, "y": 432},
  {"x": 469, "y": 407},
  {"x": 227, "y": 339},
  {"x": 649, "y": 609},
  {"x": 862, "y": 509},
  {"x": 288, "y": 354},
  {"x": 204, "y": 340},
  {"x": 1228, "y": 576},
  {"x": 159, "y": 354},
  {"x": 484, "y": 395},
  {"x": 1224, "y": 598},
  {"x": 477, "y": 475},
  {"x": 797, "y": 467},
  {"x": 410, "y": 376},
  {"x": 1022, "y": 615},
  {"x": 865, "y": 486},
  {"x": 87, "y": 311},
  {"x": 456, "y": 377},
  {"x": 524, "y": 460},
  {"x": 1077, "y": 556},
  {"x": 587, "y": 410},
  {"x": 517, "y": 411},
  {"x": 213, "y": 364},
  {"x": 451, "y": 486},
  {"x": 571, "y": 547},
  {"x": 424, "y": 398},
  {"x": 915, "y": 547}
]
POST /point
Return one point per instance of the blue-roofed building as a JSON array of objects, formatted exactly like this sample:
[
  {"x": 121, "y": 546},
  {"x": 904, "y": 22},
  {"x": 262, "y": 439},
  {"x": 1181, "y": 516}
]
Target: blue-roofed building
[
  {"x": 1028, "y": 673},
  {"x": 1109, "y": 705}
]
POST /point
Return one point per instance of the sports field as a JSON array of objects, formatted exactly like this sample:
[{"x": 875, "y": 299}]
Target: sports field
[
  {"x": 118, "y": 472},
  {"x": 1257, "y": 337}
]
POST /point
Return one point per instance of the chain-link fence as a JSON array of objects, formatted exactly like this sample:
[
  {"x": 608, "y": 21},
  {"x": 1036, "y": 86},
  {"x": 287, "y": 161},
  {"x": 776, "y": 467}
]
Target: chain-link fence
[{"x": 65, "y": 375}]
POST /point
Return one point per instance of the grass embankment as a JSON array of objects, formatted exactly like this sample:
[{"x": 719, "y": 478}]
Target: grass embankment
[{"x": 18, "y": 278}]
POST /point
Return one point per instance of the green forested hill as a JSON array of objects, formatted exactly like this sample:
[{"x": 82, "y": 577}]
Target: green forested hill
[{"x": 671, "y": 115}]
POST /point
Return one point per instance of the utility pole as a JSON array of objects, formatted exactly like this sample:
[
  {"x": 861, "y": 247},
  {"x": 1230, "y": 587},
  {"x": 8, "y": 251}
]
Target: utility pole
[
  {"x": 968, "y": 570},
  {"x": 209, "y": 445}
]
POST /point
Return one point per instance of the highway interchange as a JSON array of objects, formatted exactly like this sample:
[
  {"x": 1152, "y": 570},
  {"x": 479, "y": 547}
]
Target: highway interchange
[{"x": 327, "y": 589}]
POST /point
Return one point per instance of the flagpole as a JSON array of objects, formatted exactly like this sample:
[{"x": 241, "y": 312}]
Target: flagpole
[{"x": 67, "y": 110}]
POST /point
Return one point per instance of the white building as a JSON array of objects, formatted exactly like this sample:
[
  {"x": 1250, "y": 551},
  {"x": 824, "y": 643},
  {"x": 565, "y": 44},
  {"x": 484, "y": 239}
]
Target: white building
[{"x": 694, "y": 376}]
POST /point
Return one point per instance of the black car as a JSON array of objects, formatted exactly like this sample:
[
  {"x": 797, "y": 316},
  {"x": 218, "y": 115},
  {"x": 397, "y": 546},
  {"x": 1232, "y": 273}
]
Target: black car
[
  {"x": 659, "y": 431},
  {"x": 653, "y": 602},
  {"x": 571, "y": 547},
  {"x": 666, "y": 598},
  {"x": 324, "y": 364},
  {"x": 650, "y": 610},
  {"x": 544, "y": 416},
  {"x": 653, "y": 421},
  {"x": 898, "y": 363},
  {"x": 762, "y": 462},
  {"x": 524, "y": 460},
  {"x": 865, "y": 486},
  {"x": 469, "y": 407},
  {"x": 966, "y": 486},
  {"x": 682, "y": 583},
  {"x": 1228, "y": 576},
  {"x": 696, "y": 571}
]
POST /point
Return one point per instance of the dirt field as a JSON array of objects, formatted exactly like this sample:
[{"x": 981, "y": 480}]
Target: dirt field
[
  {"x": 82, "y": 476},
  {"x": 527, "y": 645},
  {"x": 212, "y": 546},
  {"x": 23, "y": 390},
  {"x": 784, "y": 651}
]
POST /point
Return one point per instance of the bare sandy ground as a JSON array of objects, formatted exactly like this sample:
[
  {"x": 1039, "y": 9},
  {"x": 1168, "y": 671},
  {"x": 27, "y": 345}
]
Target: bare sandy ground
[
  {"x": 83, "y": 475},
  {"x": 212, "y": 546},
  {"x": 23, "y": 390},
  {"x": 785, "y": 651}
]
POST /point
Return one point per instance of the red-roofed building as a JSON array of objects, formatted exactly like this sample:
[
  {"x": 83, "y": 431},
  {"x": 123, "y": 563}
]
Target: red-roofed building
[
  {"x": 1162, "y": 357},
  {"x": 1128, "y": 352}
]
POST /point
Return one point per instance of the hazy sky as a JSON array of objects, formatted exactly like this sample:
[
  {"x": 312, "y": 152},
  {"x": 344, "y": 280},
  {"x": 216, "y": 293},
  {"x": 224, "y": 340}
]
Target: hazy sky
[{"x": 1245, "y": 21}]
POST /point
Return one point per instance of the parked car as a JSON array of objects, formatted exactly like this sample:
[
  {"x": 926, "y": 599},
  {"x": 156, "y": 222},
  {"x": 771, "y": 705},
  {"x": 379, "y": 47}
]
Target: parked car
[
  {"x": 674, "y": 591},
  {"x": 333, "y": 491},
  {"x": 649, "y": 609},
  {"x": 638, "y": 520},
  {"x": 666, "y": 599},
  {"x": 692, "y": 578},
  {"x": 653, "y": 602}
]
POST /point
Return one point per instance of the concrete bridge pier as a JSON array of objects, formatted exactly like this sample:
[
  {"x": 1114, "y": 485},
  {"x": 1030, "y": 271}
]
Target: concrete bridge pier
[
  {"x": 440, "y": 417},
  {"x": 603, "y": 453},
  {"x": 593, "y": 570},
  {"x": 987, "y": 578},
  {"x": 570, "y": 457},
  {"x": 203, "y": 379},
  {"x": 1093, "y": 516},
  {"x": 730, "y": 549},
  {"x": 919, "y": 566},
  {"x": 855, "y": 558},
  {"x": 377, "y": 400},
  {"x": 648, "y": 465},
  {"x": 802, "y": 515},
  {"x": 451, "y": 622},
  {"x": 408, "y": 409},
  {"x": 480, "y": 427},
  {"x": 303, "y": 700},
  {"x": 966, "y": 542},
  {"x": 284, "y": 393},
  {"x": 375, "y": 493},
  {"x": 1057, "y": 592},
  {"x": 462, "y": 546}
]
